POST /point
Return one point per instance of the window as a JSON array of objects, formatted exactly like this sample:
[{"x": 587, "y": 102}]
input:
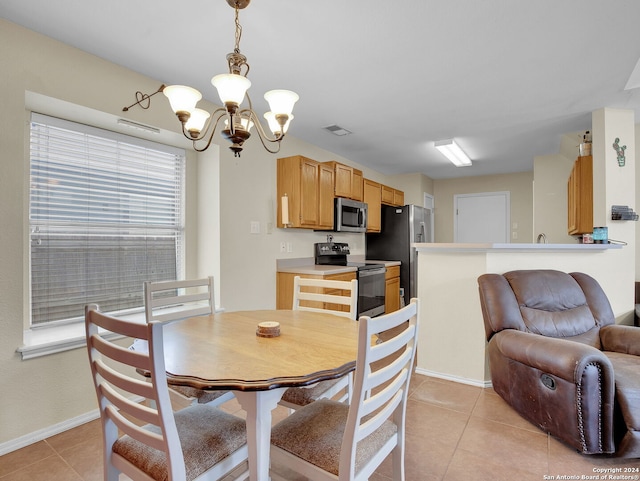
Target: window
[{"x": 105, "y": 215}]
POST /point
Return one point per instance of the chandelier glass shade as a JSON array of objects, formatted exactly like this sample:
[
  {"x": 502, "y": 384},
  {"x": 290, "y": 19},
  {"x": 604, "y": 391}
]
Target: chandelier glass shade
[{"x": 199, "y": 126}]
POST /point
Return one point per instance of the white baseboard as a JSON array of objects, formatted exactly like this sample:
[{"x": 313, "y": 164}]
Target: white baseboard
[
  {"x": 41, "y": 434},
  {"x": 448, "y": 377}
]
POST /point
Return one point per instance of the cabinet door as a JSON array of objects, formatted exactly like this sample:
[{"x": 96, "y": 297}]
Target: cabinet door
[
  {"x": 325, "y": 202},
  {"x": 387, "y": 194},
  {"x": 372, "y": 196},
  {"x": 343, "y": 180},
  {"x": 398, "y": 197},
  {"x": 580, "y": 197},
  {"x": 357, "y": 185},
  {"x": 572, "y": 203},
  {"x": 309, "y": 188},
  {"x": 392, "y": 295}
]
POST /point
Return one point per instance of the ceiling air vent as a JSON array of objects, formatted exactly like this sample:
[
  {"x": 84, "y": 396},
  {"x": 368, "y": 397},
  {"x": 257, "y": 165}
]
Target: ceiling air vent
[{"x": 337, "y": 130}]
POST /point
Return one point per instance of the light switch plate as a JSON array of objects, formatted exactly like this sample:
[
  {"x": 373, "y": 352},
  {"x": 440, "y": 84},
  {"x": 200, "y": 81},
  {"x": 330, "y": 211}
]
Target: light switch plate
[{"x": 255, "y": 227}]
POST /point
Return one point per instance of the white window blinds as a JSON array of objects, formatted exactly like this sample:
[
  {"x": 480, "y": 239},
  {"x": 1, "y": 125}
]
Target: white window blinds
[{"x": 106, "y": 214}]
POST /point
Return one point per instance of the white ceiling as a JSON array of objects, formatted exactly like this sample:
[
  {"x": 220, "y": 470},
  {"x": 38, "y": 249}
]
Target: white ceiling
[{"x": 506, "y": 78}]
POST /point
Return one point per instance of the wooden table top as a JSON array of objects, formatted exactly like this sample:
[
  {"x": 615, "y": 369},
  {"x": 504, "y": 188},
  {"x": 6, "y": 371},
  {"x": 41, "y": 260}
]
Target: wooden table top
[{"x": 222, "y": 351}]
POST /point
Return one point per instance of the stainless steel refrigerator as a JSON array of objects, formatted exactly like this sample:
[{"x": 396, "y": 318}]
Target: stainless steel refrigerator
[{"x": 401, "y": 227}]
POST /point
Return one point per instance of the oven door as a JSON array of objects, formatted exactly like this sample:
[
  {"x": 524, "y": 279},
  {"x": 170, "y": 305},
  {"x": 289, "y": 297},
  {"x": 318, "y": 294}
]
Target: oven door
[{"x": 371, "y": 290}]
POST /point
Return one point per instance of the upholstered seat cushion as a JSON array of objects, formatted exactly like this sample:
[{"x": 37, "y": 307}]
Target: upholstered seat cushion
[
  {"x": 202, "y": 446},
  {"x": 627, "y": 386},
  {"x": 301, "y": 396},
  {"x": 314, "y": 433},
  {"x": 202, "y": 396}
]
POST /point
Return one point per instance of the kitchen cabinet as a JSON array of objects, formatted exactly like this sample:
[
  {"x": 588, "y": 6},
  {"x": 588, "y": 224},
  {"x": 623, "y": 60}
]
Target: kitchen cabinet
[
  {"x": 580, "y": 197},
  {"x": 372, "y": 196},
  {"x": 392, "y": 289},
  {"x": 309, "y": 187},
  {"x": 284, "y": 289},
  {"x": 347, "y": 181},
  {"x": 386, "y": 194},
  {"x": 391, "y": 196}
]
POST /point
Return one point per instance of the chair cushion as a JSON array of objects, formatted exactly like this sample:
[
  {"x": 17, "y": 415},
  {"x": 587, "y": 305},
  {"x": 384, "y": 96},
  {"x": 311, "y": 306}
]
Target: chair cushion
[
  {"x": 301, "y": 396},
  {"x": 201, "y": 395},
  {"x": 207, "y": 435},
  {"x": 314, "y": 433}
]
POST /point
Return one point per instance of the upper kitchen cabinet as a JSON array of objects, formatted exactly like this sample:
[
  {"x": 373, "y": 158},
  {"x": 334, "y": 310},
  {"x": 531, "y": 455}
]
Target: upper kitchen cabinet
[
  {"x": 357, "y": 186},
  {"x": 580, "y": 196},
  {"x": 347, "y": 181},
  {"x": 308, "y": 185},
  {"x": 391, "y": 196},
  {"x": 373, "y": 197}
]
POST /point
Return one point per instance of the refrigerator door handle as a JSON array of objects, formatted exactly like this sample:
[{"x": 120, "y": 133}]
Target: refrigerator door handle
[{"x": 422, "y": 236}]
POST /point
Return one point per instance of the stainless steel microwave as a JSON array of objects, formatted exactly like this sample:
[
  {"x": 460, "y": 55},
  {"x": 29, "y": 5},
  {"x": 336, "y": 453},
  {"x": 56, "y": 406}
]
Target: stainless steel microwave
[{"x": 350, "y": 215}]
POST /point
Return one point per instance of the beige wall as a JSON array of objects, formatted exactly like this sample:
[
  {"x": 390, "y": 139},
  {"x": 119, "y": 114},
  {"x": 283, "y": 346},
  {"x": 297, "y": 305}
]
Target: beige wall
[
  {"x": 550, "y": 175},
  {"x": 413, "y": 185},
  {"x": 519, "y": 185}
]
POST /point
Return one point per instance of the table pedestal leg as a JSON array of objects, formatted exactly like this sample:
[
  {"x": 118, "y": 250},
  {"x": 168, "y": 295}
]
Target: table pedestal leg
[{"x": 258, "y": 405}]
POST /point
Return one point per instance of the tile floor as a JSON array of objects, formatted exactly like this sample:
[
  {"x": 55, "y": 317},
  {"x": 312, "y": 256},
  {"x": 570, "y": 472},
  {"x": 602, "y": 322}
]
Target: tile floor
[{"x": 455, "y": 432}]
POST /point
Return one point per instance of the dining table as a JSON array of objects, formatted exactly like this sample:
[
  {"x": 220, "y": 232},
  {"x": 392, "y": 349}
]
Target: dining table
[{"x": 225, "y": 351}]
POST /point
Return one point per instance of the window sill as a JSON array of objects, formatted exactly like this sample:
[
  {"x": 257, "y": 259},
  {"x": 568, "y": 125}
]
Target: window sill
[{"x": 44, "y": 341}]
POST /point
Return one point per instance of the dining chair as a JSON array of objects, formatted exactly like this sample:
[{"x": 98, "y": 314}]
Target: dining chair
[
  {"x": 143, "y": 438},
  {"x": 333, "y": 297},
  {"x": 166, "y": 301},
  {"x": 328, "y": 440}
]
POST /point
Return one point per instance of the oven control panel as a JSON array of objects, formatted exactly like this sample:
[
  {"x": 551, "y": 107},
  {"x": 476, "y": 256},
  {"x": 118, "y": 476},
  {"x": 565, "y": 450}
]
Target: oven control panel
[{"x": 332, "y": 248}]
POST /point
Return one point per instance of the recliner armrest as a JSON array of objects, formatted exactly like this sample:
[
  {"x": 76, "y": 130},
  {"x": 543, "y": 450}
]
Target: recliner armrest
[
  {"x": 559, "y": 357},
  {"x": 619, "y": 338}
]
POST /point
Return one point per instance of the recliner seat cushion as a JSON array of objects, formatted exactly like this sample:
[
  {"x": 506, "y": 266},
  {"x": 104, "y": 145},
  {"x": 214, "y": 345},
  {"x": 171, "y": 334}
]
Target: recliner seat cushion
[{"x": 627, "y": 386}]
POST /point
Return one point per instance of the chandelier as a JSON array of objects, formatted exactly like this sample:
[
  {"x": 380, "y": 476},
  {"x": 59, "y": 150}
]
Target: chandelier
[{"x": 199, "y": 126}]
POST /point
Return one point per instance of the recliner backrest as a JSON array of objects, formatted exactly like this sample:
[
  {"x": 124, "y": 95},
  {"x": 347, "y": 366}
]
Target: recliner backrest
[{"x": 546, "y": 302}]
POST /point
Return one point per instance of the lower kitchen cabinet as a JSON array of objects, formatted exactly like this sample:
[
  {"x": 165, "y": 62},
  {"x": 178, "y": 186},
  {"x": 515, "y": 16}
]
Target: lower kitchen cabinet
[
  {"x": 284, "y": 289},
  {"x": 392, "y": 289}
]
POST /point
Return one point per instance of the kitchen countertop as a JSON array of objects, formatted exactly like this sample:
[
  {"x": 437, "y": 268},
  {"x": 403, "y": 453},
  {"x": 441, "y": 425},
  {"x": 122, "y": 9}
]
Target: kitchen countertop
[
  {"x": 513, "y": 247},
  {"x": 307, "y": 266}
]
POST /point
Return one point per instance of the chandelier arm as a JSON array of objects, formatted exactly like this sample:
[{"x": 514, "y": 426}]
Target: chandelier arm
[
  {"x": 262, "y": 135},
  {"x": 213, "y": 131}
]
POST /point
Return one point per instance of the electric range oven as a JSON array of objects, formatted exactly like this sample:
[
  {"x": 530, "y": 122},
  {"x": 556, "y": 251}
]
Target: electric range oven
[{"x": 371, "y": 277}]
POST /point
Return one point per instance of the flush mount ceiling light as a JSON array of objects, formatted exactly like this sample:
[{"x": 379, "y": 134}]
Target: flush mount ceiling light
[
  {"x": 453, "y": 152},
  {"x": 198, "y": 125}
]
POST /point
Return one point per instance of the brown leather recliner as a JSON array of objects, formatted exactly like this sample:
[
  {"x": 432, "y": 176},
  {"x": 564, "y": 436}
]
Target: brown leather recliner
[{"x": 558, "y": 358}]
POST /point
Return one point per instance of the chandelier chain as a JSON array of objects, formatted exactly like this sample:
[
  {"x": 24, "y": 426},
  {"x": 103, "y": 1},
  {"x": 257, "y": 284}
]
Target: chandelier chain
[{"x": 238, "y": 32}]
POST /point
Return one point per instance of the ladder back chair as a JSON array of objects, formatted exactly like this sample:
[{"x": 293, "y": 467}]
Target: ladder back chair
[
  {"x": 328, "y": 440},
  {"x": 167, "y": 301},
  {"x": 311, "y": 295},
  {"x": 142, "y": 436}
]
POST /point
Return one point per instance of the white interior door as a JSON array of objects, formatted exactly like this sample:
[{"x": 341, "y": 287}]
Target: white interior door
[{"x": 482, "y": 218}]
